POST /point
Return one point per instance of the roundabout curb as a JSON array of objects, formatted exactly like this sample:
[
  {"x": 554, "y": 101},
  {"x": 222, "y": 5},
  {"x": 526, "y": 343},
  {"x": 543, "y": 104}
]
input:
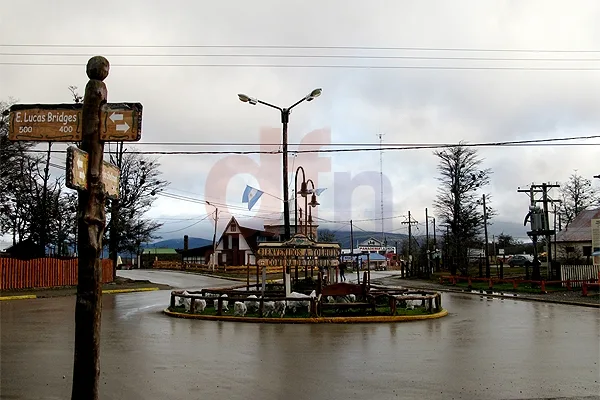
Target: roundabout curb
[{"x": 320, "y": 320}]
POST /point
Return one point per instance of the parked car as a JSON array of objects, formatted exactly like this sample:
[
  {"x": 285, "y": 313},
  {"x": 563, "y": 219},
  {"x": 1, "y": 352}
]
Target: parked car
[{"x": 520, "y": 260}]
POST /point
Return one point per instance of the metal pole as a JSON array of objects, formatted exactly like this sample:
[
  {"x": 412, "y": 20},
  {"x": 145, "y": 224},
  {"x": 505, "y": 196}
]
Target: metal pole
[
  {"x": 486, "y": 252},
  {"x": 547, "y": 229},
  {"x": 215, "y": 260},
  {"x": 427, "y": 241},
  {"x": 285, "y": 116},
  {"x": 92, "y": 219},
  {"x": 409, "y": 262}
]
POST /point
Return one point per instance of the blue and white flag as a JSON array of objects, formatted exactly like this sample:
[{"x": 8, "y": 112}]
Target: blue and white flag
[
  {"x": 319, "y": 191},
  {"x": 251, "y": 196}
]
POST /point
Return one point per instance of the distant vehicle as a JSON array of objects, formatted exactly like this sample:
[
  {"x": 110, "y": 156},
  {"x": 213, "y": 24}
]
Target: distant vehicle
[{"x": 520, "y": 260}]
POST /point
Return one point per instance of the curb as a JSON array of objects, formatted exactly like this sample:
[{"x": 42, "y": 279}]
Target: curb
[
  {"x": 21, "y": 297},
  {"x": 321, "y": 320},
  {"x": 514, "y": 296},
  {"x": 116, "y": 291}
]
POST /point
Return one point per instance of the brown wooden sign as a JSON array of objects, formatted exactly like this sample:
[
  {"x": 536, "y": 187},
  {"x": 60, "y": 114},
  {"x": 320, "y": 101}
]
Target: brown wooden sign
[
  {"x": 77, "y": 166},
  {"x": 62, "y": 122}
]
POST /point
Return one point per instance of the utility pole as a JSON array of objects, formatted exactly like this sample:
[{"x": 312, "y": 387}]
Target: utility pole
[
  {"x": 410, "y": 222},
  {"x": 214, "y": 257},
  {"x": 437, "y": 258},
  {"x": 351, "y": 242},
  {"x": 540, "y": 227},
  {"x": 92, "y": 218},
  {"x": 487, "y": 256},
  {"x": 114, "y": 228},
  {"x": 427, "y": 242}
]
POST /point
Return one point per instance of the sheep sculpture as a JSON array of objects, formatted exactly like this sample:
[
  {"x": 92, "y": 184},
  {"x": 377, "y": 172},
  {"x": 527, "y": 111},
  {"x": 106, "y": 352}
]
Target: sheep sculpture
[
  {"x": 252, "y": 306},
  {"x": 200, "y": 305},
  {"x": 268, "y": 308},
  {"x": 280, "y": 308},
  {"x": 184, "y": 301},
  {"x": 225, "y": 303},
  {"x": 239, "y": 309}
]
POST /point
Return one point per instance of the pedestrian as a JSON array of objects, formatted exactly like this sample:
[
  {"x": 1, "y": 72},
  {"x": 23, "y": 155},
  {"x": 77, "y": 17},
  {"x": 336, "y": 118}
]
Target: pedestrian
[{"x": 343, "y": 272}]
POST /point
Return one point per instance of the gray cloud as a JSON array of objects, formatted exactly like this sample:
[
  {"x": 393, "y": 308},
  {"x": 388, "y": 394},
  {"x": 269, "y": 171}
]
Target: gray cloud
[{"x": 194, "y": 104}]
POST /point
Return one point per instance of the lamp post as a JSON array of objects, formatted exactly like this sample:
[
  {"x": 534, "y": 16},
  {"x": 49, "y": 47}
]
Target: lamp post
[{"x": 285, "y": 116}]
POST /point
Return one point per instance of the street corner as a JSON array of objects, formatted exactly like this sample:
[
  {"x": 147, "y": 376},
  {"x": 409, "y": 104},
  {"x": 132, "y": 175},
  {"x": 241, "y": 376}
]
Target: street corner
[
  {"x": 19, "y": 297},
  {"x": 134, "y": 290}
]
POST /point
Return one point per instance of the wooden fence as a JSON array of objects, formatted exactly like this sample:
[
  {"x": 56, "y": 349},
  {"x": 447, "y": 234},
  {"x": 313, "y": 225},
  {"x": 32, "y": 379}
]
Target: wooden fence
[
  {"x": 44, "y": 273},
  {"x": 578, "y": 273}
]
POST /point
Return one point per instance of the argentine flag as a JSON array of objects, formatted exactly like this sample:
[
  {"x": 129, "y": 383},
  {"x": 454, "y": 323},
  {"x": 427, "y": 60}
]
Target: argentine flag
[{"x": 251, "y": 196}]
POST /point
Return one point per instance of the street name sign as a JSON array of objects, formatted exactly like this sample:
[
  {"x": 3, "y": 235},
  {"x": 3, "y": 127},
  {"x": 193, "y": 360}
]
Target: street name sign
[
  {"x": 77, "y": 165},
  {"x": 63, "y": 123}
]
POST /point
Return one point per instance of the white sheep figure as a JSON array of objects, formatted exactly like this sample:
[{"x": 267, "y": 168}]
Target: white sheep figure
[
  {"x": 330, "y": 299},
  {"x": 225, "y": 303},
  {"x": 200, "y": 305},
  {"x": 268, "y": 308},
  {"x": 184, "y": 301},
  {"x": 293, "y": 305},
  {"x": 352, "y": 298},
  {"x": 280, "y": 308},
  {"x": 239, "y": 309},
  {"x": 252, "y": 306},
  {"x": 410, "y": 304}
]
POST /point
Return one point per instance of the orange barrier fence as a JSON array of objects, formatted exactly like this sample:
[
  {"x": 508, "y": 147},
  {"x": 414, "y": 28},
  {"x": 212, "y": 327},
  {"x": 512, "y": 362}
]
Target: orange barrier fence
[
  {"x": 569, "y": 284},
  {"x": 44, "y": 273}
]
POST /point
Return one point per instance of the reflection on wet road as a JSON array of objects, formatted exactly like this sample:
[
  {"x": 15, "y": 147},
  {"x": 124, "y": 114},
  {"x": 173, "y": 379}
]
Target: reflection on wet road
[{"x": 485, "y": 349}]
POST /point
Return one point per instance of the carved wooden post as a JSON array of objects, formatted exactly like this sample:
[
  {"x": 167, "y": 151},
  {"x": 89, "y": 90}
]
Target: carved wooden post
[{"x": 91, "y": 220}]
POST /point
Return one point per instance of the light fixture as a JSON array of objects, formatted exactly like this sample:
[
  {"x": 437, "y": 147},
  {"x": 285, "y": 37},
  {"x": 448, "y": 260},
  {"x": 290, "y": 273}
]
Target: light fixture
[
  {"x": 313, "y": 201},
  {"x": 247, "y": 99},
  {"x": 303, "y": 190},
  {"x": 314, "y": 94}
]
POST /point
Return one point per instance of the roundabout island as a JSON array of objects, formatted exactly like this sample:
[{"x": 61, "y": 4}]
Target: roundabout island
[
  {"x": 332, "y": 303},
  {"x": 313, "y": 299}
]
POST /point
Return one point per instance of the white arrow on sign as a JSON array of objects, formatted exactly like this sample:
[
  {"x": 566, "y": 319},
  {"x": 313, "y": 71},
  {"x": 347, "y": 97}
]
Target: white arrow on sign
[
  {"x": 79, "y": 164},
  {"x": 116, "y": 117},
  {"x": 81, "y": 175},
  {"x": 123, "y": 128}
]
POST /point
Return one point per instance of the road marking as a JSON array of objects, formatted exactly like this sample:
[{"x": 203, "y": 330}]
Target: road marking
[
  {"x": 21, "y": 297},
  {"x": 114, "y": 291}
]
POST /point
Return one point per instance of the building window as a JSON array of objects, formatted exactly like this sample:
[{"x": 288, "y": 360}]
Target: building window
[
  {"x": 226, "y": 243},
  {"x": 233, "y": 228},
  {"x": 587, "y": 251}
]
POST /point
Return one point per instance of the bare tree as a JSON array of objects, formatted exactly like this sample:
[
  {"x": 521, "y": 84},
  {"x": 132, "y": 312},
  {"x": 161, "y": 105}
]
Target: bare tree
[
  {"x": 457, "y": 203},
  {"x": 577, "y": 194},
  {"x": 139, "y": 185}
]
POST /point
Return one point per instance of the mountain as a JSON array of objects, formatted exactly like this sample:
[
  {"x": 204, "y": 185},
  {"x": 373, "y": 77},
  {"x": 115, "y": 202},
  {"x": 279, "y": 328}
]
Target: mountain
[{"x": 193, "y": 242}]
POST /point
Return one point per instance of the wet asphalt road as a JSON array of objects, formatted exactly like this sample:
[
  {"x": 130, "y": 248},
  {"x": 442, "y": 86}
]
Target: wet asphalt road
[{"x": 485, "y": 349}]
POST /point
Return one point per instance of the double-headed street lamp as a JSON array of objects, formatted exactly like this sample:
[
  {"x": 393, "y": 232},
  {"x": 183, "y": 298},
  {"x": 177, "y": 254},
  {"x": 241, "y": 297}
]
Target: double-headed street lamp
[{"x": 285, "y": 116}]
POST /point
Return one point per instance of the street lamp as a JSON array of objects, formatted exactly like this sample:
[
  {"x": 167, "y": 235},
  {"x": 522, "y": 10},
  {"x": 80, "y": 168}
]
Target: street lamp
[{"x": 285, "y": 116}]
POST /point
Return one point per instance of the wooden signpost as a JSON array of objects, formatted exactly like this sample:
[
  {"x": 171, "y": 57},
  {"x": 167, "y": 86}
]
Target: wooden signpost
[
  {"x": 63, "y": 122},
  {"x": 77, "y": 161},
  {"x": 91, "y": 123}
]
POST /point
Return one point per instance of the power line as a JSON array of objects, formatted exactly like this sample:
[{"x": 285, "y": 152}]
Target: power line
[
  {"x": 318, "y": 56},
  {"x": 522, "y": 143},
  {"x": 373, "y": 48},
  {"x": 324, "y": 66}
]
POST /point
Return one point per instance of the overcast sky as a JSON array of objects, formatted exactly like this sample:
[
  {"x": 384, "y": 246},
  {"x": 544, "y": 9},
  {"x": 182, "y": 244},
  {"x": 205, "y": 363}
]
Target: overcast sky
[{"x": 486, "y": 101}]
